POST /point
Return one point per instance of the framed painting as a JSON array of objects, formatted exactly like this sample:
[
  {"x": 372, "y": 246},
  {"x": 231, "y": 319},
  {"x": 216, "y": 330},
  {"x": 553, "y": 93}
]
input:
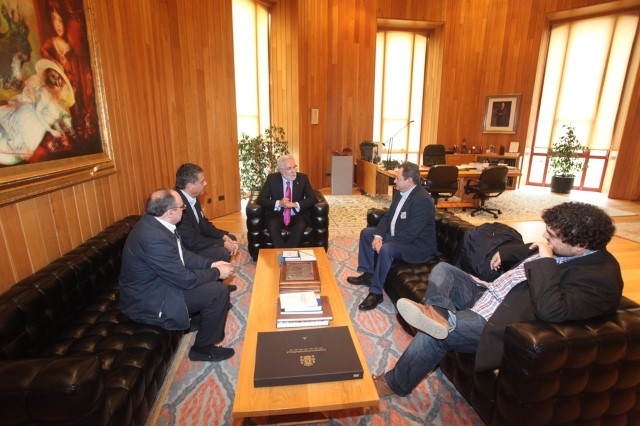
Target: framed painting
[
  {"x": 501, "y": 114},
  {"x": 53, "y": 117}
]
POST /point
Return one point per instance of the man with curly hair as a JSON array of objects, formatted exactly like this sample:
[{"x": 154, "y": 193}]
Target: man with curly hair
[{"x": 567, "y": 275}]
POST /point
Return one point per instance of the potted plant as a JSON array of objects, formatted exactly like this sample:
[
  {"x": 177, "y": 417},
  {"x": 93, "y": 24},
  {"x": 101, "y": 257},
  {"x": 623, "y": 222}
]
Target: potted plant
[
  {"x": 565, "y": 160},
  {"x": 258, "y": 157}
]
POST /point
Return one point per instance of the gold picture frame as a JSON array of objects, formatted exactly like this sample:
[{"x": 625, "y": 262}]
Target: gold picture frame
[
  {"x": 67, "y": 155},
  {"x": 501, "y": 114}
]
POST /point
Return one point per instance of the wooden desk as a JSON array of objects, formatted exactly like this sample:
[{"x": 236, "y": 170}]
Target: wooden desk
[{"x": 309, "y": 398}]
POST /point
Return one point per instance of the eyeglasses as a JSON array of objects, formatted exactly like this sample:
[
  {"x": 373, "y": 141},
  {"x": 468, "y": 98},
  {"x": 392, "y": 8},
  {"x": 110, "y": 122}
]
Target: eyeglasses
[
  {"x": 289, "y": 169},
  {"x": 182, "y": 207}
]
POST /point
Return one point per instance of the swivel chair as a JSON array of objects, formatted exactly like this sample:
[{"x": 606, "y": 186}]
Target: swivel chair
[
  {"x": 492, "y": 182},
  {"x": 433, "y": 154},
  {"x": 441, "y": 181}
]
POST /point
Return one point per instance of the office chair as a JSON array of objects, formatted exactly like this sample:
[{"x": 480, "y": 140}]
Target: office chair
[
  {"x": 433, "y": 154},
  {"x": 492, "y": 182},
  {"x": 441, "y": 181}
]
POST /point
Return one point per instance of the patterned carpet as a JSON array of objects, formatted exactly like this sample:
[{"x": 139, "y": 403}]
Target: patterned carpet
[{"x": 202, "y": 393}]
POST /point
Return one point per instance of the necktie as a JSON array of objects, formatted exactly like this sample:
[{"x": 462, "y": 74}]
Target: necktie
[
  {"x": 179, "y": 246},
  {"x": 287, "y": 212}
]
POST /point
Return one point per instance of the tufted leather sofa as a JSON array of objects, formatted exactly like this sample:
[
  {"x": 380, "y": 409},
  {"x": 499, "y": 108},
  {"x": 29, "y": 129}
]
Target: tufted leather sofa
[
  {"x": 581, "y": 372},
  {"x": 316, "y": 235},
  {"x": 67, "y": 353}
]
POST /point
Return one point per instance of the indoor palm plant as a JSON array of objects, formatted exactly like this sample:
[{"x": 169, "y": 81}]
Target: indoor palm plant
[
  {"x": 258, "y": 156},
  {"x": 565, "y": 160}
]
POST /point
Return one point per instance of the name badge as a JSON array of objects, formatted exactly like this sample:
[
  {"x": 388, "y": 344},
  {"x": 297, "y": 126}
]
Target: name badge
[{"x": 403, "y": 215}]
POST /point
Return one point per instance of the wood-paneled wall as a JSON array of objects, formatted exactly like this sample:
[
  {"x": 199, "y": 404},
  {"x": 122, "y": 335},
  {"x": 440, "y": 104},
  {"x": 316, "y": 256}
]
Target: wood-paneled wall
[
  {"x": 169, "y": 85},
  {"x": 169, "y": 88}
]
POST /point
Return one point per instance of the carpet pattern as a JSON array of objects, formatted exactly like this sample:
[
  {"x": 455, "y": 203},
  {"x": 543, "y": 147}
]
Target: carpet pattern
[{"x": 202, "y": 393}]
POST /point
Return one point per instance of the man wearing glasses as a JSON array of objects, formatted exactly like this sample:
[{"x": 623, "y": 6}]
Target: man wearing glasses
[
  {"x": 287, "y": 197},
  {"x": 162, "y": 282}
]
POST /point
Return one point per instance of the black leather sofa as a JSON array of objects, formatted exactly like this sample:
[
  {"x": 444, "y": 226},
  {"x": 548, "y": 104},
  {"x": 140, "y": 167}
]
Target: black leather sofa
[
  {"x": 67, "y": 353},
  {"x": 581, "y": 372},
  {"x": 316, "y": 235}
]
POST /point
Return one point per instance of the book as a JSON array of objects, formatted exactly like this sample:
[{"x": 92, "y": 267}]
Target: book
[
  {"x": 298, "y": 255},
  {"x": 299, "y": 273},
  {"x": 300, "y": 324},
  {"x": 312, "y": 355},
  {"x": 295, "y": 310},
  {"x": 324, "y": 314},
  {"x": 296, "y": 300}
]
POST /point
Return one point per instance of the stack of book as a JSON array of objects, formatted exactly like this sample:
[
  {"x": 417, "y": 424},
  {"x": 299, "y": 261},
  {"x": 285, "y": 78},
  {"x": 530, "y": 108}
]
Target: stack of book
[
  {"x": 301, "y": 275},
  {"x": 297, "y": 255},
  {"x": 302, "y": 309}
]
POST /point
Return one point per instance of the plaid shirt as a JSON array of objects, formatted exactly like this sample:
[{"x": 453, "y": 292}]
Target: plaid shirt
[{"x": 501, "y": 286}]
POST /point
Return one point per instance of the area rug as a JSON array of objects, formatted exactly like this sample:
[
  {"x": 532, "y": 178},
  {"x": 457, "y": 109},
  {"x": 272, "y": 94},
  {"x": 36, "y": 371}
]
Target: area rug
[
  {"x": 516, "y": 206},
  {"x": 629, "y": 231},
  {"x": 198, "y": 393}
]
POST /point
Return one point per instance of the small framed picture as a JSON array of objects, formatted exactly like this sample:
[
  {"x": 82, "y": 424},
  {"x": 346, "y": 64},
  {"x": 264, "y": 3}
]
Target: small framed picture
[
  {"x": 501, "y": 114},
  {"x": 514, "y": 147}
]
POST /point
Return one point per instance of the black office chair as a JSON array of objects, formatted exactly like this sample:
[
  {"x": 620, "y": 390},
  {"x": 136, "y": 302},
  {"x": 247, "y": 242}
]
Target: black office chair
[
  {"x": 492, "y": 182},
  {"x": 433, "y": 154},
  {"x": 441, "y": 181}
]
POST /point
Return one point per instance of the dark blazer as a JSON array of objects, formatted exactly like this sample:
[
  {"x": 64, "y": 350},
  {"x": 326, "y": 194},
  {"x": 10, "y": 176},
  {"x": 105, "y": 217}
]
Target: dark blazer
[
  {"x": 152, "y": 278},
  {"x": 198, "y": 235},
  {"x": 301, "y": 193},
  {"x": 579, "y": 289},
  {"x": 415, "y": 226}
]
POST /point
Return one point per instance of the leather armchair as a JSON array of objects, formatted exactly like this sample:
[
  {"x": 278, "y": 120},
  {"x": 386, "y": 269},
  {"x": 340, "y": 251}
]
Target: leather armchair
[
  {"x": 579, "y": 372},
  {"x": 316, "y": 235}
]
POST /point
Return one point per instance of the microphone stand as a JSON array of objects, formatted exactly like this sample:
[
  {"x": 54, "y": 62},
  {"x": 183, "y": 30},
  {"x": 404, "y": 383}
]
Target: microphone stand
[{"x": 392, "y": 164}]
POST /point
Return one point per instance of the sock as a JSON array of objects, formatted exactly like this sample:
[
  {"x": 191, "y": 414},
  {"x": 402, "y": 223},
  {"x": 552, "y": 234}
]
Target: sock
[{"x": 443, "y": 312}]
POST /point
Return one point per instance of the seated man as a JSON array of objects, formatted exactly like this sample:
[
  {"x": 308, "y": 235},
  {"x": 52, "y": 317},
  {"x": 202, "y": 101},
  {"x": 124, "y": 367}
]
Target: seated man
[
  {"x": 161, "y": 282},
  {"x": 568, "y": 275},
  {"x": 407, "y": 231},
  {"x": 198, "y": 234},
  {"x": 287, "y": 197}
]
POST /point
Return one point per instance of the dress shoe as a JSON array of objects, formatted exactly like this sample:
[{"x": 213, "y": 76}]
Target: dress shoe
[
  {"x": 382, "y": 386},
  {"x": 364, "y": 279},
  {"x": 232, "y": 287},
  {"x": 424, "y": 318},
  {"x": 213, "y": 354},
  {"x": 370, "y": 302}
]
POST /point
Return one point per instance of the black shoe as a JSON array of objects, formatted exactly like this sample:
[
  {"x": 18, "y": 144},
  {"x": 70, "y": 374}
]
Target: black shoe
[
  {"x": 370, "y": 302},
  {"x": 364, "y": 279},
  {"x": 232, "y": 287},
  {"x": 215, "y": 354}
]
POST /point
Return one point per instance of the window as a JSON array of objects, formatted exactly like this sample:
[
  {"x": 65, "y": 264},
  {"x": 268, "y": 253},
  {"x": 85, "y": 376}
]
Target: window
[
  {"x": 585, "y": 72},
  {"x": 399, "y": 85},
  {"x": 251, "y": 62}
]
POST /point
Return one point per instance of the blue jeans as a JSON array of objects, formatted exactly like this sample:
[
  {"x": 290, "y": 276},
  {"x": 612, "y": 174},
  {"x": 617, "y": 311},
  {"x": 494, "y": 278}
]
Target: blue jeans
[
  {"x": 367, "y": 258},
  {"x": 455, "y": 290}
]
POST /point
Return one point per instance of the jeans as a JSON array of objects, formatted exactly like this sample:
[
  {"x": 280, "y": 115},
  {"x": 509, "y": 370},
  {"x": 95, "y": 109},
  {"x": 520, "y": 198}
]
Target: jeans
[
  {"x": 455, "y": 290},
  {"x": 367, "y": 259}
]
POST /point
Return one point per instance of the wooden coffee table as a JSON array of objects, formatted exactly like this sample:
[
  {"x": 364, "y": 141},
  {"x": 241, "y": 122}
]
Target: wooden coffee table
[{"x": 294, "y": 399}]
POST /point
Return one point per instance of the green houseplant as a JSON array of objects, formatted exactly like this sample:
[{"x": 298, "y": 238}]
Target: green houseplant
[
  {"x": 565, "y": 160},
  {"x": 258, "y": 156}
]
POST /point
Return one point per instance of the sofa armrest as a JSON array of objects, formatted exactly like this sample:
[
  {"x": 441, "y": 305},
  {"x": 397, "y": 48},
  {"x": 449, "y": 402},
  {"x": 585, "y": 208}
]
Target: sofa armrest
[
  {"x": 56, "y": 390},
  {"x": 542, "y": 360}
]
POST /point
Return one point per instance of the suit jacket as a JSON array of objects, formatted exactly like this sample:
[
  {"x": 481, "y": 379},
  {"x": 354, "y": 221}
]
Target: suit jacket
[
  {"x": 301, "y": 193},
  {"x": 198, "y": 235},
  {"x": 415, "y": 227},
  {"x": 575, "y": 290},
  {"x": 153, "y": 277}
]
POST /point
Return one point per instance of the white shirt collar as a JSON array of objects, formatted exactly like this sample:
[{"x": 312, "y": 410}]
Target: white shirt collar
[
  {"x": 171, "y": 227},
  {"x": 190, "y": 199}
]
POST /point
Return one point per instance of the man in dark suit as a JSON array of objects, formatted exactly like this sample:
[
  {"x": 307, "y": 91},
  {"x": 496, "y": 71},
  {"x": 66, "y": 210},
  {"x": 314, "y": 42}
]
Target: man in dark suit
[
  {"x": 568, "y": 275},
  {"x": 407, "y": 231},
  {"x": 198, "y": 234},
  {"x": 287, "y": 197},
  {"x": 161, "y": 282}
]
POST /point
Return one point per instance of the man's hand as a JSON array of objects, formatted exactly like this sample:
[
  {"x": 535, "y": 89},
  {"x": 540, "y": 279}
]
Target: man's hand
[
  {"x": 225, "y": 268},
  {"x": 231, "y": 245},
  {"x": 376, "y": 244},
  {"x": 495, "y": 262},
  {"x": 544, "y": 248}
]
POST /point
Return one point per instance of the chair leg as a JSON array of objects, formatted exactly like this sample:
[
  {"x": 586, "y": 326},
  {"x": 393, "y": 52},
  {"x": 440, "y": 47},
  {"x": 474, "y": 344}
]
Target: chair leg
[{"x": 483, "y": 208}]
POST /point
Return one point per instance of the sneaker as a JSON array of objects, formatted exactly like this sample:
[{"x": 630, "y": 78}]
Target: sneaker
[
  {"x": 424, "y": 318},
  {"x": 215, "y": 354},
  {"x": 382, "y": 386}
]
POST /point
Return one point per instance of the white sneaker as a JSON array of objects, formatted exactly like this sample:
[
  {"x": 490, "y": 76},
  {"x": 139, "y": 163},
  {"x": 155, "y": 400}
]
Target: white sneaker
[{"x": 423, "y": 318}]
